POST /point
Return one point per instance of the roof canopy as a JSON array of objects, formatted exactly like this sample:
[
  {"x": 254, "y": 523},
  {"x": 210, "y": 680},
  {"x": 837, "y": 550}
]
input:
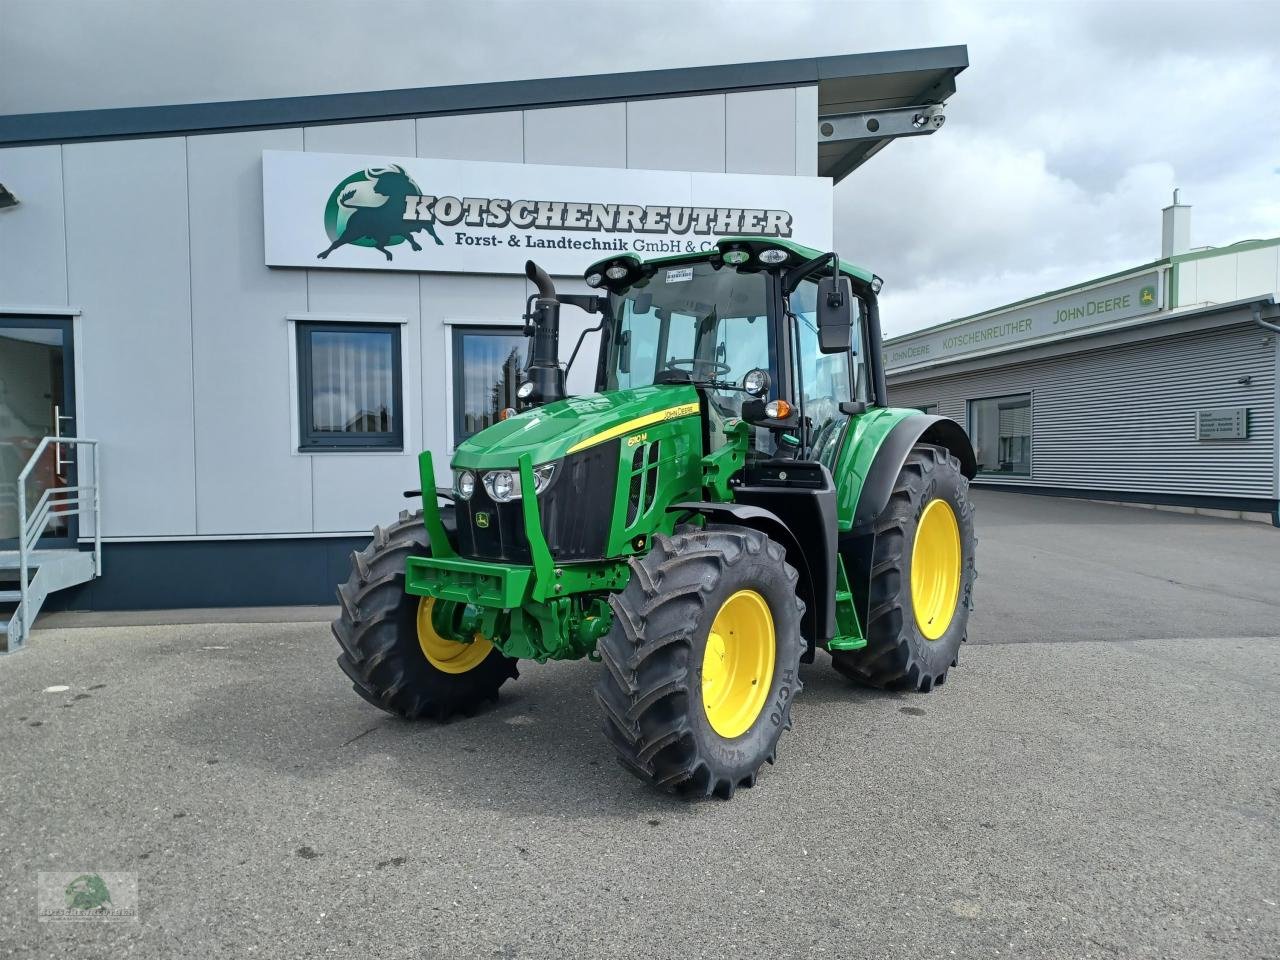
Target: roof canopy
[
  {"x": 862, "y": 84},
  {"x": 849, "y": 87}
]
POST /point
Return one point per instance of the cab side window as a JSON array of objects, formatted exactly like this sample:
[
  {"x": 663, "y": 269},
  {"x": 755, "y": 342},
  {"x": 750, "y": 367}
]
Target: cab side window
[{"x": 825, "y": 380}]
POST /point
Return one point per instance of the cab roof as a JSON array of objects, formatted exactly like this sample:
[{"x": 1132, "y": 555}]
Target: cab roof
[{"x": 799, "y": 253}]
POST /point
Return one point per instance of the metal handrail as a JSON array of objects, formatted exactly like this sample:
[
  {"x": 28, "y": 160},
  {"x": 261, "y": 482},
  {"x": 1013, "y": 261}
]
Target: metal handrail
[
  {"x": 45, "y": 509},
  {"x": 30, "y": 528}
]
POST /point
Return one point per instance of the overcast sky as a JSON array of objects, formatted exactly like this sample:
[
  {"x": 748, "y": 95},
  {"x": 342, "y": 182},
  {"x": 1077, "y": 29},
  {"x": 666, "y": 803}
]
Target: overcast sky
[{"x": 1069, "y": 130}]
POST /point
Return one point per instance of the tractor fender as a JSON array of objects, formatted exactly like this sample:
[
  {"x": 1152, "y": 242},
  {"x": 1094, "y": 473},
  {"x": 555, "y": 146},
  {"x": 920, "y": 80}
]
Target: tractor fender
[
  {"x": 906, "y": 433},
  {"x": 819, "y": 616}
]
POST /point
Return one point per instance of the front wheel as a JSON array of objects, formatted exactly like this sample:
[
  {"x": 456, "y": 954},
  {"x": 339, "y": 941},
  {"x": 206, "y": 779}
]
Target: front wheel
[
  {"x": 922, "y": 574},
  {"x": 702, "y": 660},
  {"x": 391, "y": 649}
]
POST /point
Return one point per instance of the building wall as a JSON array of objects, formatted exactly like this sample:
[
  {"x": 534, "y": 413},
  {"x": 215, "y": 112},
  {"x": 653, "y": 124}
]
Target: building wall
[
  {"x": 1123, "y": 418},
  {"x": 1226, "y": 274},
  {"x": 183, "y": 341}
]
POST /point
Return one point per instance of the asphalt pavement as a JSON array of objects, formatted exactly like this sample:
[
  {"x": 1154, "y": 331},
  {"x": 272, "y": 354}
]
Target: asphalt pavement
[{"x": 1099, "y": 778}]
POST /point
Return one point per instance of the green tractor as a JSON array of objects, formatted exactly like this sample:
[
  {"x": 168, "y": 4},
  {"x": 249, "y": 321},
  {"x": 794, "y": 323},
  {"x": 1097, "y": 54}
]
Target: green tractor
[{"x": 736, "y": 494}]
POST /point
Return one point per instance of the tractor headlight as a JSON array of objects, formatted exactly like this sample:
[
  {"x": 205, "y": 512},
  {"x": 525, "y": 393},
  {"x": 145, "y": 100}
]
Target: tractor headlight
[
  {"x": 735, "y": 257},
  {"x": 756, "y": 382},
  {"x": 542, "y": 476},
  {"x": 525, "y": 390},
  {"x": 594, "y": 279},
  {"x": 617, "y": 272},
  {"x": 465, "y": 484},
  {"x": 773, "y": 256},
  {"x": 503, "y": 486}
]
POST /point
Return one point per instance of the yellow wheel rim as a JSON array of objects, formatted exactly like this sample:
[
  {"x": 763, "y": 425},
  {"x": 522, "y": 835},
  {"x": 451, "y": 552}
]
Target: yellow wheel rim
[
  {"x": 935, "y": 569},
  {"x": 443, "y": 653},
  {"x": 737, "y": 667}
]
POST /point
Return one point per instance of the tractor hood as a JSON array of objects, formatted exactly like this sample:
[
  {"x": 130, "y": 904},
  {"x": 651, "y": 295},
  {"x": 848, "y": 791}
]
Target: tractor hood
[{"x": 550, "y": 432}]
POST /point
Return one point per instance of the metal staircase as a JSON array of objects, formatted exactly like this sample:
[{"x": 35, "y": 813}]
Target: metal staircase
[{"x": 31, "y": 574}]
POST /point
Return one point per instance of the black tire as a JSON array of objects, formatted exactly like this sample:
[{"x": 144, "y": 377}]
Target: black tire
[
  {"x": 651, "y": 685},
  {"x": 897, "y": 655},
  {"x": 377, "y": 630}
]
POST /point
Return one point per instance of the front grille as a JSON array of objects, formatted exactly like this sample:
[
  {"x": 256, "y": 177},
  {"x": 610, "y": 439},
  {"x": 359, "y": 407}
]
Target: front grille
[
  {"x": 502, "y": 536},
  {"x": 576, "y": 511},
  {"x": 578, "y": 507}
]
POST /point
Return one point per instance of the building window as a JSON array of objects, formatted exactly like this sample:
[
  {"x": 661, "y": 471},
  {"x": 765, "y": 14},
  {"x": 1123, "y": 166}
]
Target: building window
[
  {"x": 349, "y": 387},
  {"x": 929, "y": 408},
  {"x": 1000, "y": 428},
  {"x": 487, "y": 362}
]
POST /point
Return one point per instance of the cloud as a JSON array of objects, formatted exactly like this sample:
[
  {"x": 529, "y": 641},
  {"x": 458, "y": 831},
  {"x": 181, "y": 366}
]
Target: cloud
[
  {"x": 967, "y": 222},
  {"x": 1066, "y": 137}
]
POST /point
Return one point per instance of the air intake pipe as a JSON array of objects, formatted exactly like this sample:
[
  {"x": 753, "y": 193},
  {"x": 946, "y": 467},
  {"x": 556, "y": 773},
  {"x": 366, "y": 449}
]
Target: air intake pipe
[{"x": 544, "y": 355}]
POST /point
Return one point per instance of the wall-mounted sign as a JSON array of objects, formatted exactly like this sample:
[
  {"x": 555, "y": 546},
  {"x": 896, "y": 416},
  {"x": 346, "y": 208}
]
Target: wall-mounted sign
[
  {"x": 402, "y": 213},
  {"x": 1121, "y": 300},
  {"x": 1222, "y": 423}
]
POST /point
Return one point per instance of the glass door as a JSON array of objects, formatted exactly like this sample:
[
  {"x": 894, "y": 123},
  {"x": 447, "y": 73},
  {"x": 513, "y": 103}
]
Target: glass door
[{"x": 36, "y": 400}]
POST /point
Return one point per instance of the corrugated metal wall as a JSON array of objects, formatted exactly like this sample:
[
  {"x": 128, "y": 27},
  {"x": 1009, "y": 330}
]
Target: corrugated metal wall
[{"x": 1124, "y": 417}]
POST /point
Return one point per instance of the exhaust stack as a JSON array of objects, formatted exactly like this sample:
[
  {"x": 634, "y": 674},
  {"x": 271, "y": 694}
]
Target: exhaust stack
[{"x": 544, "y": 355}]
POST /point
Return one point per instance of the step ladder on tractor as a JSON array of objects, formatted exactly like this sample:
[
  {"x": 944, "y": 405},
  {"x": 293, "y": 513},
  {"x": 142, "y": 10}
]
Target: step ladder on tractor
[{"x": 29, "y": 574}]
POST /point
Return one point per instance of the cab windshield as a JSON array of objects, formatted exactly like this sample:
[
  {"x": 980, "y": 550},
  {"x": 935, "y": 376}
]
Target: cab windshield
[{"x": 691, "y": 324}]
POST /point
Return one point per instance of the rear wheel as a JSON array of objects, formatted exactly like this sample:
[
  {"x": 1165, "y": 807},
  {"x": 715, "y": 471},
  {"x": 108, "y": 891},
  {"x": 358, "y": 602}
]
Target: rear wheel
[
  {"x": 391, "y": 649},
  {"x": 922, "y": 576},
  {"x": 702, "y": 660}
]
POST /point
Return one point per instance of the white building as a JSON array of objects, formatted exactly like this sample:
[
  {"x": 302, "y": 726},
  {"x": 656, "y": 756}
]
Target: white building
[
  {"x": 1155, "y": 385},
  {"x": 258, "y": 409}
]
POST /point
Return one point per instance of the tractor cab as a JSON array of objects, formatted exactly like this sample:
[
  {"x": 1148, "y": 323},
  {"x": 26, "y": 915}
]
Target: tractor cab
[{"x": 752, "y": 325}]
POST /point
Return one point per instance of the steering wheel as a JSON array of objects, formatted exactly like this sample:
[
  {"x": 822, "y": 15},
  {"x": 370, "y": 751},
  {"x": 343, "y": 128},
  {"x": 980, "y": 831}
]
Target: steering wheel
[{"x": 719, "y": 368}]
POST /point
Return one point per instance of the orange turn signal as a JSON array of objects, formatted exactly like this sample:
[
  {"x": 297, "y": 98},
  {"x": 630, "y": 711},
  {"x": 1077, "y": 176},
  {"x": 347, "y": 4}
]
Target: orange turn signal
[{"x": 777, "y": 409}]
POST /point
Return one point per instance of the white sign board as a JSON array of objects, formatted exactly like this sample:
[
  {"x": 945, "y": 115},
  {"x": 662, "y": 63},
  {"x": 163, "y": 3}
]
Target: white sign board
[
  {"x": 1108, "y": 303},
  {"x": 455, "y": 216},
  {"x": 1222, "y": 423}
]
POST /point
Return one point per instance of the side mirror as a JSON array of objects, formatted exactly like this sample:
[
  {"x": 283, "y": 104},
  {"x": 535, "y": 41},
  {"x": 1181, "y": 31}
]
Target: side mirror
[{"x": 835, "y": 314}]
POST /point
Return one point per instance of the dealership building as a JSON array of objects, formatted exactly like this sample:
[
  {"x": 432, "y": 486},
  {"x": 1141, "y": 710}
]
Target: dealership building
[
  {"x": 211, "y": 292},
  {"x": 1156, "y": 385}
]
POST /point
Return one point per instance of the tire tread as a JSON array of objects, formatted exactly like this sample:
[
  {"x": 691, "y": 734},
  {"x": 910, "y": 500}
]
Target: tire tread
[
  {"x": 889, "y": 661},
  {"x": 644, "y": 689},
  {"x": 379, "y": 647}
]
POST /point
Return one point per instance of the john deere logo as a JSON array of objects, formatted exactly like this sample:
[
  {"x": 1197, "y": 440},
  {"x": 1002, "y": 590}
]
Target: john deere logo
[
  {"x": 368, "y": 210},
  {"x": 1147, "y": 296},
  {"x": 482, "y": 520},
  {"x": 87, "y": 892}
]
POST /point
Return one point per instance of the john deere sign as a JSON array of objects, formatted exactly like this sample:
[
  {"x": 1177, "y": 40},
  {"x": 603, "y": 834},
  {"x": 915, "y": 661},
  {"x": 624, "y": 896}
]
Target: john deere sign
[
  {"x": 333, "y": 210},
  {"x": 1109, "y": 303}
]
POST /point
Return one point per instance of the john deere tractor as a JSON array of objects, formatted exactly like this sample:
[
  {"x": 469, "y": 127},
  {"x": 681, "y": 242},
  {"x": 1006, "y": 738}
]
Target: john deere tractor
[{"x": 736, "y": 494}]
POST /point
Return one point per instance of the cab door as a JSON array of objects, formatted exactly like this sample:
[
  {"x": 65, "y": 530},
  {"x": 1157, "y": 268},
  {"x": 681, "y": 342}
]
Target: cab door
[{"x": 823, "y": 381}]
